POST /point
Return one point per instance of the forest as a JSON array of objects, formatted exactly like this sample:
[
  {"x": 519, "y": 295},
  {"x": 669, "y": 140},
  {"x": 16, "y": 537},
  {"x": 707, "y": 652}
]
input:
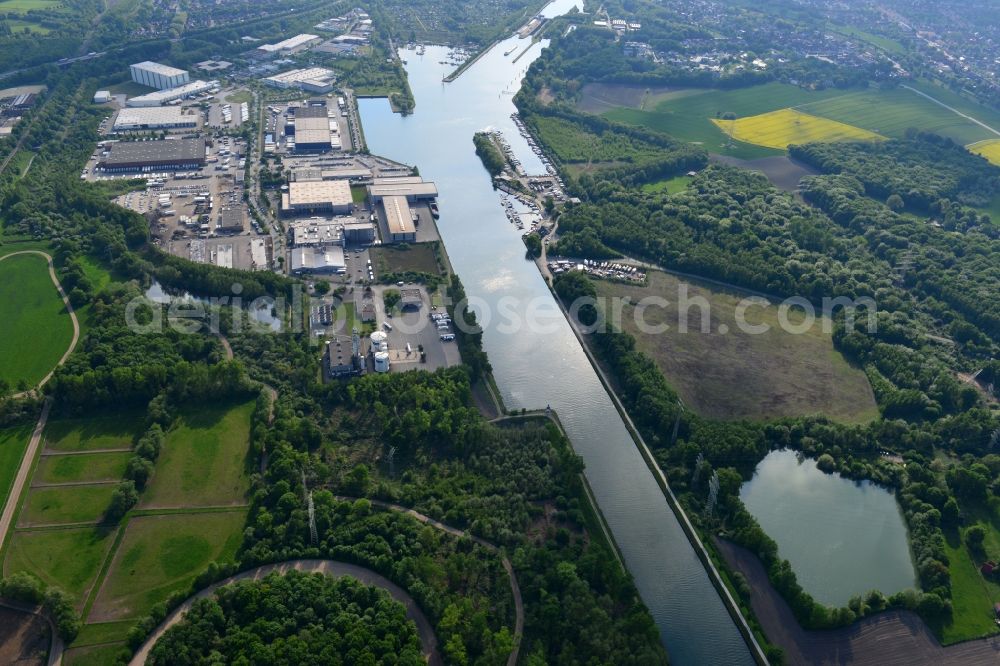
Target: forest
[{"x": 294, "y": 618}]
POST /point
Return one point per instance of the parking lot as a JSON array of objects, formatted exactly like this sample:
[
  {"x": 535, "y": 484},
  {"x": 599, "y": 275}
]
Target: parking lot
[{"x": 414, "y": 327}]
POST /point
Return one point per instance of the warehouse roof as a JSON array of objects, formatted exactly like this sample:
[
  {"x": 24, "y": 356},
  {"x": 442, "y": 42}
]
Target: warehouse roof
[
  {"x": 157, "y": 68},
  {"x": 152, "y": 115},
  {"x": 403, "y": 190},
  {"x": 398, "y": 218},
  {"x": 313, "y": 192},
  {"x": 165, "y": 150}
]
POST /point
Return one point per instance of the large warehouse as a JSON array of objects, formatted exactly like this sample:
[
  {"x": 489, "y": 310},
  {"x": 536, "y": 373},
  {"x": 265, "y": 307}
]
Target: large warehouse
[
  {"x": 165, "y": 154},
  {"x": 399, "y": 220},
  {"x": 412, "y": 188},
  {"x": 161, "y": 97},
  {"x": 287, "y": 46},
  {"x": 311, "y": 79},
  {"x": 158, "y": 76},
  {"x": 317, "y": 196},
  {"x": 311, "y": 129},
  {"x": 327, "y": 259},
  {"x": 148, "y": 118}
]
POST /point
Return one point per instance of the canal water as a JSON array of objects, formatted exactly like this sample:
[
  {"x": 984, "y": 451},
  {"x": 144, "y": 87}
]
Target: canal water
[
  {"x": 544, "y": 364},
  {"x": 842, "y": 537}
]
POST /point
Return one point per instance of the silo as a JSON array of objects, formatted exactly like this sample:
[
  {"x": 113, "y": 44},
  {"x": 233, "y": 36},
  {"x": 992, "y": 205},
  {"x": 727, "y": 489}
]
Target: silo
[
  {"x": 379, "y": 341},
  {"x": 382, "y": 361}
]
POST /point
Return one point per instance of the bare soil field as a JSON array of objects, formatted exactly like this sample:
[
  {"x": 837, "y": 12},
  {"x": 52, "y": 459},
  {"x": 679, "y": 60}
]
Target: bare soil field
[
  {"x": 24, "y": 638},
  {"x": 783, "y": 172}
]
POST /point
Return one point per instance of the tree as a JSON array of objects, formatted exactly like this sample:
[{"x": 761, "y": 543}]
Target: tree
[
  {"x": 974, "y": 537},
  {"x": 895, "y": 202},
  {"x": 123, "y": 498}
]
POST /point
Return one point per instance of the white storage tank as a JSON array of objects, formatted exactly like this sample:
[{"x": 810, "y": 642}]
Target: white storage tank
[
  {"x": 379, "y": 341},
  {"x": 382, "y": 361}
]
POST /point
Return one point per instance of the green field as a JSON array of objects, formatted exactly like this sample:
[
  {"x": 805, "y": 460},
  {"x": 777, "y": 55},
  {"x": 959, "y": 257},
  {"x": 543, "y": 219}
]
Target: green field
[
  {"x": 687, "y": 114},
  {"x": 203, "y": 460},
  {"x": 670, "y": 186},
  {"x": 105, "y": 632},
  {"x": 972, "y": 597},
  {"x": 95, "y": 655},
  {"x": 21, "y": 6},
  {"x": 69, "y": 559},
  {"x": 82, "y": 468},
  {"x": 735, "y": 375},
  {"x": 61, "y": 506},
  {"x": 99, "y": 432},
  {"x": 13, "y": 442},
  {"x": 162, "y": 554},
  {"x": 416, "y": 258},
  {"x": 35, "y": 329}
]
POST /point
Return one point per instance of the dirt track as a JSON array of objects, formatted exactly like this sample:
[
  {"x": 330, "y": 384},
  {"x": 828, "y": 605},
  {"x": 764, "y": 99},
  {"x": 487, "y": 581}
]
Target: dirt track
[{"x": 895, "y": 638}]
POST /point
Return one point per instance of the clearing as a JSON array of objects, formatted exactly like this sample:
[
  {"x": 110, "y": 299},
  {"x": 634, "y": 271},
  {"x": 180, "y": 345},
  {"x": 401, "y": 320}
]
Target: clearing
[
  {"x": 203, "y": 460},
  {"x": 779, "y": 129},
  {"x": 35, "y": 329},
  {"x": 160, "y": 555},
  {"x": 736, "y": 375}
]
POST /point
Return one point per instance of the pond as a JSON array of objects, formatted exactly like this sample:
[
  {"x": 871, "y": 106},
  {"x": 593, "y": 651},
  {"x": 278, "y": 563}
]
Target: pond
[{"x": 842, "y": 537}]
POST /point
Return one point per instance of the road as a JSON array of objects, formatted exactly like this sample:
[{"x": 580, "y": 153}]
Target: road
[
  {"x": 69, "y": 309},
  {"x": 953, "y": 110},
  {"x": 515, "y": 588},
  {"x": 23, "y": 472},
  {"x": 328, "y": 567}
]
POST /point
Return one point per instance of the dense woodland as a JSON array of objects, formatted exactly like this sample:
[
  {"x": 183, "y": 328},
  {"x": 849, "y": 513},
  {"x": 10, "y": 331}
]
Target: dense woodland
[{"x": 293, "y": 618}]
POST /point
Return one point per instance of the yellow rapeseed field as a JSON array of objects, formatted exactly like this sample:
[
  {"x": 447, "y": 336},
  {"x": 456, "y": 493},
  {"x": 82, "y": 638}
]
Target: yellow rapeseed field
[
  {"x": 990, "y": 149},
  {"x": 778, "y": 129}
]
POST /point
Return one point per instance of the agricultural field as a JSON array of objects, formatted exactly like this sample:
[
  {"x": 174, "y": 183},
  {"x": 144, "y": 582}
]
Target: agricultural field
[
  {"x": 779, "y": 129},
  {"x": 736, "y": 375},
  {"x": 990, "y": 149},
  {"x": 35, "y": 329},
  {"x": 159, "y": 555},
  {"x": 571, "y": 142},
  {"x": 21, "y": 6},
  {"x": 13, "y": 442},
  {"x": 69, "y": 559},
  {"x": 203, "y": 460}
]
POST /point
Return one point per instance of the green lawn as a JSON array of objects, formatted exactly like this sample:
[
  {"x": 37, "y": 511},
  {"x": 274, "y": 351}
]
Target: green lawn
[
  {"x": 972, "y": 596},
  {"x": 35, "y": 329},
  {"x": 95, "y": 655},
  {"x": 359, "y": 194},
  {"x": 21, "y": 6},
  {"x": 735, "y": 374},
  {"x": 60, "y": 506},
  {"x": 203, "y": 461},
  {"x": 162, "y": 554},
  {"x": 99, "y": 432},
  {"x": 69, "y": 559},
  {"x": 13, "y": 442},
  {"x": 73, "y": 469},
  {"x": 105, "y": 632},
  {"x": 670, "y": 186}
]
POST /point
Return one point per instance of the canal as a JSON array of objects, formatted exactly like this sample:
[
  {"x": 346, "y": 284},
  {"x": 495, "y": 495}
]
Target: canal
[{"x": 543, "y": 364}]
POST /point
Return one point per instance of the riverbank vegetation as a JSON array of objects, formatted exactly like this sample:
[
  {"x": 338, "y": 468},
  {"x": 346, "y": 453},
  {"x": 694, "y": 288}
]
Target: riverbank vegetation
[{"x": 493, "y": 160}]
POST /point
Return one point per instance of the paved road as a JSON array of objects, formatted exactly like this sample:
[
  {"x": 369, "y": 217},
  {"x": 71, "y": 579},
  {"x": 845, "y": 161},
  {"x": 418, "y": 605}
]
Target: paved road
[
  {"x": 328, "y": 567},
  {"x": 953, "y": 110},
  {"x": 515, "y": 589},
  {"x": 23, "y": 472},
  {"x": 69, "y": 309}
]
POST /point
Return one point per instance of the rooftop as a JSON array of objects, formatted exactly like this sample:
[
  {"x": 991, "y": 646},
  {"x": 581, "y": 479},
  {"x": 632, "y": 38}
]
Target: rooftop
[
  {"x": 398, "y": 218},
  {"x": 311, "y": 192},
  {"x": 164, "y": 150},
  {"x": 152, "y": 115},
  {"x": 157, "y": 68},
  {"x": 290, "y": 43}
]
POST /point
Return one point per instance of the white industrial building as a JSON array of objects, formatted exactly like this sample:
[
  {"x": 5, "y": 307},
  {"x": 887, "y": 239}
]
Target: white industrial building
[
  {"x": 288, "y": 46},
  {"x": 157, "y": 117},
  {"x": 102, "y": 97},
  {"x": 170, "y": 95},
  {"x": 158, "y": 76},
  {"x": 328, "y": 260},
  {"x": 413, "y": 188},
  {"x": 317, "y": 196},
  {"x": 310, "y": 79},
  {"x": 399, "y": 220}
]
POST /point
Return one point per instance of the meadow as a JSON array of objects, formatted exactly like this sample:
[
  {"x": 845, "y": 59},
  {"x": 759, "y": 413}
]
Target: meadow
[
  {"x": 21, "y": 6},
  {"x": 203, "y": 460},
  {"x": 95, "y": 433},
  {"x": 81, "y": 468},
  {"x": 67, "y": 558},
  {"x": 35, "y": 329},
  {"x": 571, "y": 142},
  {"x": 65, "y": 505},
  {"x": 13, "y": 442},
  {"x": 736, "y": 375},
  {"x": 161, "y": 554},
  {"x": 779, "y": 129}
]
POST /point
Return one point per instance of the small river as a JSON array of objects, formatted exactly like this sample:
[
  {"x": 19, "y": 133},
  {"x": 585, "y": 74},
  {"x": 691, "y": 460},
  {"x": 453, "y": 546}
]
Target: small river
[
  {"x": 545, "y": 365},
  {"x": 841, "y": 537}
]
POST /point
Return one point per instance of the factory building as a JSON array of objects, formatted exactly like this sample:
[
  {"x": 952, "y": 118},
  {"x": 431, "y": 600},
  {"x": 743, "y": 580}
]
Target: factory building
[
  {"x": 399, "y": 220},
  {"x": 150, "y": 118},
  {"x": 317, "y": 233},
  {"x": 102, "y": 97},
  {"x": 311, "y": 129},
  {"x": 231, "y": 221},
  {"x": 344, "y": 356},
  {"x": 165, "y": 154},
  {"x": 319, "y": 260},
  {"x": 158, "y": 76},
  {"x": 359, "y": 233},
  {"x": 413, "y": 188},
  {"x": 311, "y": 197},
  {"x": 310, "y": 79},
  {"x": 287, "y": 47},
  {"x": 359, "y": 175},
  {"x": 171, "y": 95}
]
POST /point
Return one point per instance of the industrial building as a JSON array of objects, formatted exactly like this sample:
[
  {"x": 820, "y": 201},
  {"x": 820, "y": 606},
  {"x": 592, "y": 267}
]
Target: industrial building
[
  {"x": 158, "y": 76},
  {"x": 319, "y": 260},
  {"x": 287, "y": 47},
  {"x": 310, "y": 79},
  {"x": 325, "y": 196},
  {"x": 344, "y": 356},
  {"x": 359, "y": 233},
  {"x": 311, "y": 129},
  {"x": 165, "y": 154},
  {"x": 170, "y": 95},
  {"x": 231, "y": 220},
  {"x": 359, "y": 175},
  {"x": 399, "y": 220},
  {"x": 412, "y": 188},
  {"x": 102, "y": 97},
  {"x": 149, "y": 118},
  {"x": 317, "y": 233},
  {"x": 213, "y": 65}
]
